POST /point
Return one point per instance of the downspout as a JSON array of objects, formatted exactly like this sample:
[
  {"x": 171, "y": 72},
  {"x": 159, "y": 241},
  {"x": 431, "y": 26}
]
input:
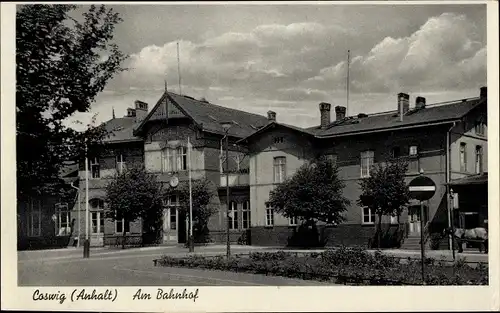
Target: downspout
[
  {"x": 79, "y": 213},
  {"x": 448, "y": 174}
]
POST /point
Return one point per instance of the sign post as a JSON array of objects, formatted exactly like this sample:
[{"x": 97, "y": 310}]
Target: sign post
[{"x": 422, "y": 188}]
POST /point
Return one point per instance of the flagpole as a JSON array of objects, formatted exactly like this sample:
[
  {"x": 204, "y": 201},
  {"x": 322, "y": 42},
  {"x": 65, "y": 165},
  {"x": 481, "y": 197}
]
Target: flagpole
[{"x": 191, "y": 243}]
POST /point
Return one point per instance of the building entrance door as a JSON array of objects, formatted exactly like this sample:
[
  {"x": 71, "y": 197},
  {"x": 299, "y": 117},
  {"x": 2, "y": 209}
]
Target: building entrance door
[
  {"x": 414, "y": 216},
  {"x": 97, "y": 228},
  {"x": 170, "y": 225}
]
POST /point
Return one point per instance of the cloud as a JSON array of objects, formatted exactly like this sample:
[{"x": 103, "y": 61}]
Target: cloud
[
  {"x": 443, "y": 54},
  {"x": 301, "y": 64}
]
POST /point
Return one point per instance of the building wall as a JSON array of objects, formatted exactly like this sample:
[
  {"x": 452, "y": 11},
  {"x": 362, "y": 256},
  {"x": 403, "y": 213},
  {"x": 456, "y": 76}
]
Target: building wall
[
  {"x": 133, "y": 154},
  {"x": 464, "y": 132},
  {"x": 294, "y": 147},
  {"x": 431, "y": 144},
  {"x": 431, "y": 149}
]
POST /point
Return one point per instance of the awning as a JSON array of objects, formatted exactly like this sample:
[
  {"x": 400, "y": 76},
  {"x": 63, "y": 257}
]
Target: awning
[{"x": 480, "y": 179}]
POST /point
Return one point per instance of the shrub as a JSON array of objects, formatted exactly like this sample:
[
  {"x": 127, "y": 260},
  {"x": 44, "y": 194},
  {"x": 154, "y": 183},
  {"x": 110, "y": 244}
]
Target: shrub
[{"x": 352, "y": 266}]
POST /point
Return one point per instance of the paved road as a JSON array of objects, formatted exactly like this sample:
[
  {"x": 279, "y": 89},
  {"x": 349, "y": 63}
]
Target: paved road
[
  {"x": 131, "y": 268},
  {"x": 108, "y": 267}
]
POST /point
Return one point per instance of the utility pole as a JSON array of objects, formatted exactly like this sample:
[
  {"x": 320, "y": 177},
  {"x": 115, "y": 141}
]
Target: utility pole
[
  {"x": 191, "y": 239},
  {"x": 226, "y": 126},
  {"x": 86, "y": 244},
  {"x": 179, "y": 69},
  {"x": 348, "y": 81}
]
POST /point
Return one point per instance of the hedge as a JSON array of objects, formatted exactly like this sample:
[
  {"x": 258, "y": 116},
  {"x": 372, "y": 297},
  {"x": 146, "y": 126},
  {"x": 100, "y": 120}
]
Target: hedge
[{"x": 352, "y": 266}]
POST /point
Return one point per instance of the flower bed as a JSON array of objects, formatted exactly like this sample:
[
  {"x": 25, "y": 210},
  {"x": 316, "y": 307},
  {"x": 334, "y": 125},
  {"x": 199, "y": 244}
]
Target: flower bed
[{"x": 352, "y": 266}]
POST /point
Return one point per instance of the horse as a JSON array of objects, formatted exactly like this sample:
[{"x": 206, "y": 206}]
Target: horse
[{"x": 478, "y": 234}]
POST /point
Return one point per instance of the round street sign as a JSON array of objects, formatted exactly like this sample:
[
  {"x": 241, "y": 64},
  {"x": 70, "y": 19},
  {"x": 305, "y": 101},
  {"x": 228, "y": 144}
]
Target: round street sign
[{"x": 422, "y": 188}]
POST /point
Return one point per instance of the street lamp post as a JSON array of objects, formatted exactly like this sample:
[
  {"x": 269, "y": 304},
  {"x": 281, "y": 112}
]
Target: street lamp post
[
  {"x": 452, "y": 219},
  {"x": 86, "y": 243},
  {"x": 190, "y": 237},
  {"x": 226, "y": 126}
]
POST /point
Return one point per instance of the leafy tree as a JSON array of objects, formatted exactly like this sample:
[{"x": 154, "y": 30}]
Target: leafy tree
[
  {"x": 385, "y": 192},
  {"x": 61, "y": 66},
  {"x": 203, "y": 206},
  {"x": 314, "y": 192},
  {"x": 132, "y": 194}
]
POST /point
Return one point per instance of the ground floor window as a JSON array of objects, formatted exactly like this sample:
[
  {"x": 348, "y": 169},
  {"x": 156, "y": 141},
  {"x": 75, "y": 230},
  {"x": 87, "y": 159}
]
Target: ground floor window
[
  {"x": 245, "y": 218},
  {"x": 62, "y": 219},
  {"x": 233, "y": 215},
  {"x": 97, "y": 220},
  {"x": 292, "y": 221},
  {"x": 35, "y": 218},
  {"x": 119, "y": 224},
  {"x": 269, "y": 216},
  {"x": 368, "y": 216}
]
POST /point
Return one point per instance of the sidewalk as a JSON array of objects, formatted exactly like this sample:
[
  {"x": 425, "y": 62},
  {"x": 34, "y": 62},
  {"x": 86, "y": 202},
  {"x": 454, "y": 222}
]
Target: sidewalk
[{"x": 220, "y": 249}]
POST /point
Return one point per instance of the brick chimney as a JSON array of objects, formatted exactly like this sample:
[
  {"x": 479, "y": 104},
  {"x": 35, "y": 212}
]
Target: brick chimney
[
  {"x": 141, "y": 110},
  {"x": 403, "y": 104},
  {"x": 420, "y": 103},
  {"x": 483, "y": 93},
  {"x": 130, "y": 112},
  {"x": 271, "y": 116},
  {"x": 324, "y": 110},
  {"x": 339, "y": 112}
]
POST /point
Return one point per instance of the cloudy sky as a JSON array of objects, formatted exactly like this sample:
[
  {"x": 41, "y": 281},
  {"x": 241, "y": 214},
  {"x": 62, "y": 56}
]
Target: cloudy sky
[{"x": 289, "y": 58}]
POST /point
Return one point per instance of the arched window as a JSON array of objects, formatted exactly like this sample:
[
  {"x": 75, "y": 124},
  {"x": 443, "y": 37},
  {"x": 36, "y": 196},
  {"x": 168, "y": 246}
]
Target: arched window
[{"x": 96, "y": 204}]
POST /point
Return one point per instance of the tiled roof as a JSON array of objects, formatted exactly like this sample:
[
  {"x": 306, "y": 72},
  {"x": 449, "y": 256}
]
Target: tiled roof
[
  {"x": 210, "y": 116},
  {"x": 121, "y": 129},
  {"x": 430, "y": 114},
  {"x": 478, "y": 179}
]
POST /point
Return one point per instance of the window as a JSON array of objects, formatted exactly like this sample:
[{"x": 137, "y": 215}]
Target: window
[
  {"x": 368, "y": 216},
  {"x": 292, "y": 221},
  {"x": 367, "y": 159},
  {"x": 182, "y": 159},
  {"x": 173, "y": 204},
  {"x": 168, "y": 160},
  {"x": 279, "y": 169},
  {"x": 119, "y": 226},
  {"x": 233, "y": 215},
  {"x": 463, "y": 157},
  {"x": 62, "y": 219},
  {"x": 396, "y": 152},
  {"x": 269, "y": 216},
  {"x": 479, "y": 159},
  {"x": 413, "y": 164},
  {"x": 35, "y": 218},
  {"x": 479, "y": 128},
  {"x": 95, "y": 168},
  {"x": 97, "y": 216},
  {"x": 96, "y": 204},
  {"x": 245, "y": 218},
  {"x": 278, "y": 139},
  {"x": 175, "y": 159},
  {"x": 120, "y": 163},
  {"x": 97, "y": 220}
]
